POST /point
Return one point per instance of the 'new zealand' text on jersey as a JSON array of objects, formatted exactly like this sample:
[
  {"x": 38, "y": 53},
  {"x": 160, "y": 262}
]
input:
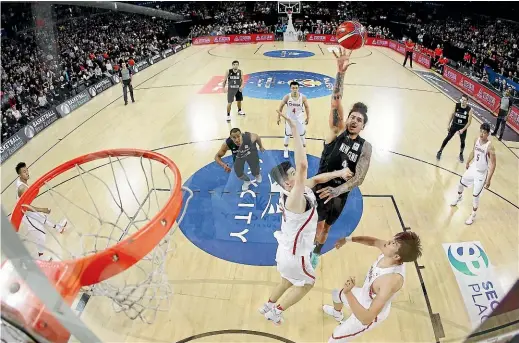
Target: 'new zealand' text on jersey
[
  {"x": 234, "y": 79},
  {"x": 244, "y": 149},
  {"x": 480, "y": 160},
  {"x": 343, "y": 152},
  {"x": 461, "y": 116},
  {"x": 295, "y": 107}
]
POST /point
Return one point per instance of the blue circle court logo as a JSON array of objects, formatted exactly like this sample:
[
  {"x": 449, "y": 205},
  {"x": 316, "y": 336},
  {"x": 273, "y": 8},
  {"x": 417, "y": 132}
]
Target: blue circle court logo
[
  {"x": 238, "y": 226},
  {"x": 289, "y": 54},
  {"x": 274, "y": 84},
  {"x": 468, "y": 258}
]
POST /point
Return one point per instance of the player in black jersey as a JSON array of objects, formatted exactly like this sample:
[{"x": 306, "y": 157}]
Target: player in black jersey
[
  {"x": 244, "y": 150},
  {"x": 234, "y": 77},
  {"x": 458, "y": 124},
  {"x": 343, "y": 148}
]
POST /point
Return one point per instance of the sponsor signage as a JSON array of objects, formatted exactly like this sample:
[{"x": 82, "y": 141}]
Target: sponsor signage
[
  {"x": 12, "y": 145},
  {"x": 141, "y": 65},
  {"x": 168, "y": 52},
  {"x": 230, "y": 39},
  {"x": 100, "y": 87},
  {"x": 73, "y": 103},
  {"x": 513, "y": 118},
  {"x": 155, "y": 59},
  {"x": 478, "y": 284},
  {"x": 484, "y": 96},
  {"x": 39, "y": 124}
]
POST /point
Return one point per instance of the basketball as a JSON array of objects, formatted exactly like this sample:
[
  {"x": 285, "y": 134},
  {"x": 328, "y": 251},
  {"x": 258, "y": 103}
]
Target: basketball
[{"x": 351, "y": 35}]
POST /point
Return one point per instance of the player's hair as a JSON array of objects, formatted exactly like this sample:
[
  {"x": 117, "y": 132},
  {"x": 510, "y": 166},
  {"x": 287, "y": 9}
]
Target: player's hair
[
  {"x": 360, "y": 108},
  {"x": 485, "y": 127},
  {"x": 280, "y": 172},
  {"x": 294, "y": 83},
  {"x": 235, "y": 61},
  {"x": 410, "y": 246},
  {"x": 465, "y": 96},
  {"x": 19, "y": 167},
  {"x": 234, "y": 130}
]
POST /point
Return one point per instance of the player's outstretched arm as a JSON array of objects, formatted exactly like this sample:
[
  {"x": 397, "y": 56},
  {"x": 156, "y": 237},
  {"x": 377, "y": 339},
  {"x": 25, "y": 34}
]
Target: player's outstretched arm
[
  {"x": 307, "y": 109},
  {"x": 345, "y": 174},
  {"x": 224, "y": 84},
  {"x": 218, "y": 157},
  {"x": 493, "y": 163},
  {"x": 471, "y": 155},
  {"x": 31, "y": 208},
  {"x": 296, "y": 201},
  {"x": 336, "y": 119},
  {"x": 390, "y": 284},
  {"x": 468, "y": 121},
  {"x": 281, "y": 105},
  {"x": 366, "y": 240}
]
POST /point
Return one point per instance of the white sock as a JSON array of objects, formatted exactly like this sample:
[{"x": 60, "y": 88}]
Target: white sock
[
  {"x": 285, "y": 141},
  {"x": 460, "y": 189},
  {"x": 475, "y": 203},
  {"x": 303, "y": 139}
]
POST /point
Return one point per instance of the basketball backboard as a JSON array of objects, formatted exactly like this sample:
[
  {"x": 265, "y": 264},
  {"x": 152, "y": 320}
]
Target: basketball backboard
[{"x": 294, "y": 6}]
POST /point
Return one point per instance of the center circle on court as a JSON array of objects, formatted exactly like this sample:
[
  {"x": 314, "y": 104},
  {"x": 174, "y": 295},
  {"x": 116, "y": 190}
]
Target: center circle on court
[
  {"x": 274, "y": 84},
  {"x": 238, "y": 226},
  {"x": 288, "y": 54}
]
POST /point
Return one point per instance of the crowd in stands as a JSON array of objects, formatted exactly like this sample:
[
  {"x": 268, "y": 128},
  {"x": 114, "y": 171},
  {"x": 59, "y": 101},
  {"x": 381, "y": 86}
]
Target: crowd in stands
[
  {"x": 44, "y": 64},
  {"x": 43, "y": 67}
]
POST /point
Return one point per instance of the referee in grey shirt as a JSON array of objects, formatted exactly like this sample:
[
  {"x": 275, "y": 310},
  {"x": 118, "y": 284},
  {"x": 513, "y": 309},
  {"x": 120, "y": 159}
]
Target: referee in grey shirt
[
  {"x": 126, "y": 76},
  {"x": 504, "y": 109}
]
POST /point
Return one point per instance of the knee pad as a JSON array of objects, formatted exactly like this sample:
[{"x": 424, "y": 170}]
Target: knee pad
[{"x": 336, "y": 296}]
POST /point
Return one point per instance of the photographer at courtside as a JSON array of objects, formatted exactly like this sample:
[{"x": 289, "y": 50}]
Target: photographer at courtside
[{"x": 126, "y": 76}]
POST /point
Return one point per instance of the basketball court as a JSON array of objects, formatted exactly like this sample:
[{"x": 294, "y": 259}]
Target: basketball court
[{"x": 220, "y": 266}]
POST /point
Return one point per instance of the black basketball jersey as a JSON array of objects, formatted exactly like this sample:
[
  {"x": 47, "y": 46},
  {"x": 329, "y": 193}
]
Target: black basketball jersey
[
  {"x": 234, "y": 79},
  {"x": 244, "y": 149},
  {"x": 461, "y": 116},
  {"x": 343, "y": 152}
]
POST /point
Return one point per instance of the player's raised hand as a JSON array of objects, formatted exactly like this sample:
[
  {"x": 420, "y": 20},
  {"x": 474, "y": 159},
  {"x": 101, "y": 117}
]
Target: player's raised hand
[
  {"x": 349, "y": 284},
  {"x": 343, "y": 59},
  {"x": 346, "y": 174},
  {"x": 328, "y": 193}
]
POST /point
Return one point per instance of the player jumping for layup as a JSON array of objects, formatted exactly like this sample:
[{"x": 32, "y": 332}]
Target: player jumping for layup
[
  {"x": 35, "y": 219},
  {"x": 298, "y": 228},
  {"x": 479, "y": 173},
  {"x": 235, "y": 78},
  {"x": 370, "y": 305},
  {"x": 344, "y": 148},
  {"x": 458, "y": 123},
  {"x": 295, "y": 102}
]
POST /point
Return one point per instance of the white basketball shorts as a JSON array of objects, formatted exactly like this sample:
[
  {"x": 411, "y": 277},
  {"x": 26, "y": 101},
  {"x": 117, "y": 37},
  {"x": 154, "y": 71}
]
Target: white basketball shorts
[
  {"x": 34, "y": 222},
  {"x": 474, "y": 177},
  {"x": 352, "y": 328},
  {"x": 296, "y": 269},
  {"x": 301, "y": 127}
]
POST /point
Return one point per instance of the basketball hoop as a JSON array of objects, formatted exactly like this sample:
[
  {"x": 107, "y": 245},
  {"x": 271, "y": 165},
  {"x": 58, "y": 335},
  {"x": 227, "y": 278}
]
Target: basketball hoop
[{"x": 118, "y": 223}]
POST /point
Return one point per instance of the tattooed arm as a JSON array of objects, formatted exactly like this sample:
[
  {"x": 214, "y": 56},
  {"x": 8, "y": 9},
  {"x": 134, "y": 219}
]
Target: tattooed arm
[
  {"x": 336, "y": 119},
  {"x": 361, "y": 170}
]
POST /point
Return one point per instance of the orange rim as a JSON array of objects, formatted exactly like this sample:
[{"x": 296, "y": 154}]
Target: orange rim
[{"x": 70, "y": 275}]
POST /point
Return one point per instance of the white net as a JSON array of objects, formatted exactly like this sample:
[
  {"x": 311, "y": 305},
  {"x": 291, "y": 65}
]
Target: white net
[{"x": 98, "y": 204}]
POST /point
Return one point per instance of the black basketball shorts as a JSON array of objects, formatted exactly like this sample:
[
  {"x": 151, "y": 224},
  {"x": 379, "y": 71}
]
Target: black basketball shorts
[
  {"x": 234, "y": 94},
  {"x": 331, "y": 211}
]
